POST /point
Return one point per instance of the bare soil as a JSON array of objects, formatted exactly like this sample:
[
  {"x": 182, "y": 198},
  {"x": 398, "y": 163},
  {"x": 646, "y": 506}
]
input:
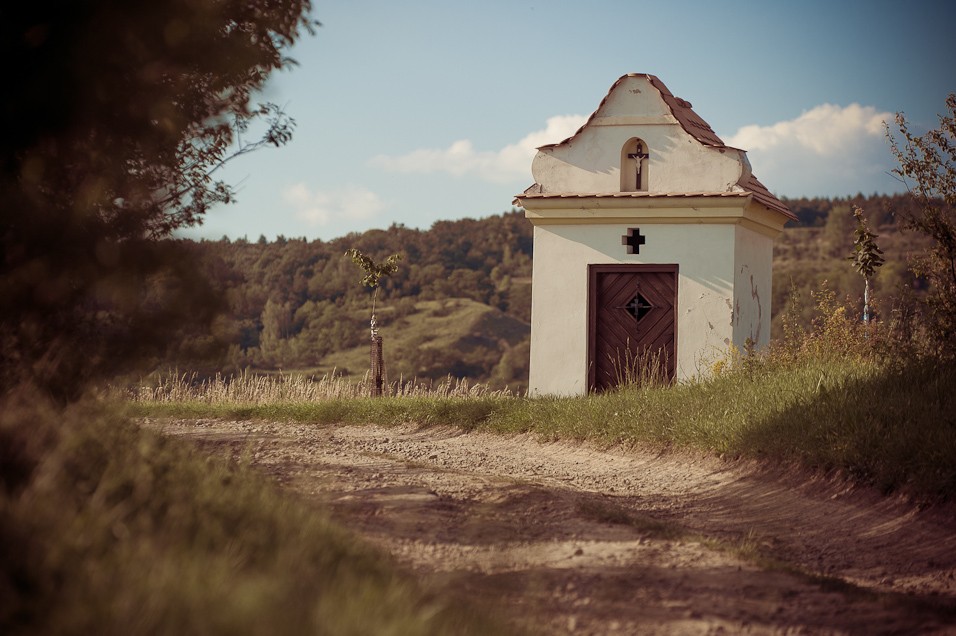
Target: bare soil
[{"x": 559, "y": 538}]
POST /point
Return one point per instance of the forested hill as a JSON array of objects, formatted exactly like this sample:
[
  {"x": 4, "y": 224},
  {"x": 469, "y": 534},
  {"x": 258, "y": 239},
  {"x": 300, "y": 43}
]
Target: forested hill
[
  {"x": 460, "y": 302},
  {"x": 293, "y": 303}
]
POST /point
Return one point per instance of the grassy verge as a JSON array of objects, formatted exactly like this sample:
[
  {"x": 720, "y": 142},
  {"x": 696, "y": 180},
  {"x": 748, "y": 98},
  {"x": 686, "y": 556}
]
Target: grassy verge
[
  {"x": 890, "y": 425},
  {"x": 109, "y": 529}
]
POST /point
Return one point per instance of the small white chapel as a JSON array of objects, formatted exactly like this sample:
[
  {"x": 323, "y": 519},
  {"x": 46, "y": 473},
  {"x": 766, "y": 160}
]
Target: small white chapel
[{"x": 652, "y": 240}]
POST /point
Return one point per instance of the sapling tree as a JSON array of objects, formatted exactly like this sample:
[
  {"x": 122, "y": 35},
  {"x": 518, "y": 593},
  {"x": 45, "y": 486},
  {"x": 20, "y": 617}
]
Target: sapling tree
[
  {"x": 374, "y": 272},
  {"x": 867, "y": 256}
]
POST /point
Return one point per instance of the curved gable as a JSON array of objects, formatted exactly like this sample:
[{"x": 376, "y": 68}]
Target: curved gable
[{"x": 684, "y": 154}]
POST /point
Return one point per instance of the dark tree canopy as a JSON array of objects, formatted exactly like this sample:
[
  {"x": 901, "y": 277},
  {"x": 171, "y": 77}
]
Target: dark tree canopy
[{"x": 117, "y": 115}]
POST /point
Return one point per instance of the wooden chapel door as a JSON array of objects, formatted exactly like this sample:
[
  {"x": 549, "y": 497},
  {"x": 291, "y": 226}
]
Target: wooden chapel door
[{"x": 632, "y": 321}]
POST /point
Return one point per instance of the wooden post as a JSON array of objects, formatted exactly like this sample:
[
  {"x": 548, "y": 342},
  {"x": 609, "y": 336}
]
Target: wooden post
[{"x": 377, "y": 366}]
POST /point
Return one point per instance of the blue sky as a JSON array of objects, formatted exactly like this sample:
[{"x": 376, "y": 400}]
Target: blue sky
[{"x": 418, "y": 111}]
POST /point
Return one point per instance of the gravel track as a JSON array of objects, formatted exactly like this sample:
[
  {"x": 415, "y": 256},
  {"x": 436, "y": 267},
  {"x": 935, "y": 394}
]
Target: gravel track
[{"x": 560, "y": 537}]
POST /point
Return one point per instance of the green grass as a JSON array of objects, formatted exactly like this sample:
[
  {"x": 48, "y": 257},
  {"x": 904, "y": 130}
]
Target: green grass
[
  {"x": 106, "y": 528},
  {"x": 889, "y": 425}
]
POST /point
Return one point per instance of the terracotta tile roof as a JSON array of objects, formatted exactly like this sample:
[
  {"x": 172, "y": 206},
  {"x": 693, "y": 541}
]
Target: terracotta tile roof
[
  {"x": 764, "y": 196},
  {"x": 684, "y": 113},
  {"x": 695, "y": 126}
]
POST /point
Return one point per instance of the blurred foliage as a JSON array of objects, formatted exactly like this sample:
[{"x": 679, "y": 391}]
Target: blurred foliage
[
  {"x": 927, "y": 165},
  {"x": 118, "y": 116},
  {"x": 107, "y": 528}
]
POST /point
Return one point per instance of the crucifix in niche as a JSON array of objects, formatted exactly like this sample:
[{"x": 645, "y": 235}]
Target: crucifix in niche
[
  {"x": 633, "y": 240},
  {"x": 633, "y": 166}
]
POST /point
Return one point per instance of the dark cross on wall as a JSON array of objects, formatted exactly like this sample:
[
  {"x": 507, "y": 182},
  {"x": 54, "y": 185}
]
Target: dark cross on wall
[{"x": 633, "y": 240}]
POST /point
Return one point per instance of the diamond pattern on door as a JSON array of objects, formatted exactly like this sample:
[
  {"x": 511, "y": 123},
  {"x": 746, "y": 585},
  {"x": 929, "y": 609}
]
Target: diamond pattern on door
[{"x": 638, "y": 307}]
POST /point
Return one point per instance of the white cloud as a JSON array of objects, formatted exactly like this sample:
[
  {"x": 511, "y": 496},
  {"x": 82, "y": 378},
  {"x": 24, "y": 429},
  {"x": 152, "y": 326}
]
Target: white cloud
[
  {"x": 318, "y": 207},
  {"x": 828, "y": 151},
  {"x": 508, "y": 164},
  {"x": 825, "y": 130}
]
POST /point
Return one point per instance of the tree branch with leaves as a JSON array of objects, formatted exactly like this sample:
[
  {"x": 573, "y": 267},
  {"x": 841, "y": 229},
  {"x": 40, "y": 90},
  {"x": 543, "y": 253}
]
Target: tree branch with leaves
[
  {"x": 121, "y": 114},
  {"x": 927, "y": 167},
  {"x": 374, "y": 273}
]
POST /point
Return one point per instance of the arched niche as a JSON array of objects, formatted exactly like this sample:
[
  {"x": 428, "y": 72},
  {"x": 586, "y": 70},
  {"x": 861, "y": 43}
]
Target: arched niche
[{"x": 634, "y": 157}]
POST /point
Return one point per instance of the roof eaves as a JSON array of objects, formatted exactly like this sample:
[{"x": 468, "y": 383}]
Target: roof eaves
[
  {"x": 763, "y": 196},
  {"x": 751, "y": 187},
  {"x": 628, "y": 195}
]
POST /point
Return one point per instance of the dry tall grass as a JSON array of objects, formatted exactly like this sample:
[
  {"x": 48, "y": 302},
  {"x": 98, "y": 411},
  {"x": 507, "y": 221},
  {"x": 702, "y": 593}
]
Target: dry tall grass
[{"x": 255, "y": 389}]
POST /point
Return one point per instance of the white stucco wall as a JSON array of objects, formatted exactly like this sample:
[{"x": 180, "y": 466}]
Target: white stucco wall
[
  {"x": 705, "y": 255},
  {"x": 753, "y": 274},
  {"x": 591, "y": 161}
]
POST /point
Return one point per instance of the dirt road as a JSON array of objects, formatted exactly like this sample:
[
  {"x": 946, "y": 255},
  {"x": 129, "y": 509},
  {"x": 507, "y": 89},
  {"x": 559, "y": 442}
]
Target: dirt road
[{"x": 566, "y": 538}]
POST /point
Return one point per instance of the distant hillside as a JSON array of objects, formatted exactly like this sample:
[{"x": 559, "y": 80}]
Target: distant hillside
[
  {"x": 460, "y": 303},
  {"x": 297, "y": 304},
  {"x": 816, "y": 251},
  {"x": 457, "y": 337}
]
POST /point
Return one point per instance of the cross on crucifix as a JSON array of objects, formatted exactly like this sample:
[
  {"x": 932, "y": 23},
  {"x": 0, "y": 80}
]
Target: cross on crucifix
[
  {"x": 633, "y": 240},
  {"x": 638, "y": 156}
]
